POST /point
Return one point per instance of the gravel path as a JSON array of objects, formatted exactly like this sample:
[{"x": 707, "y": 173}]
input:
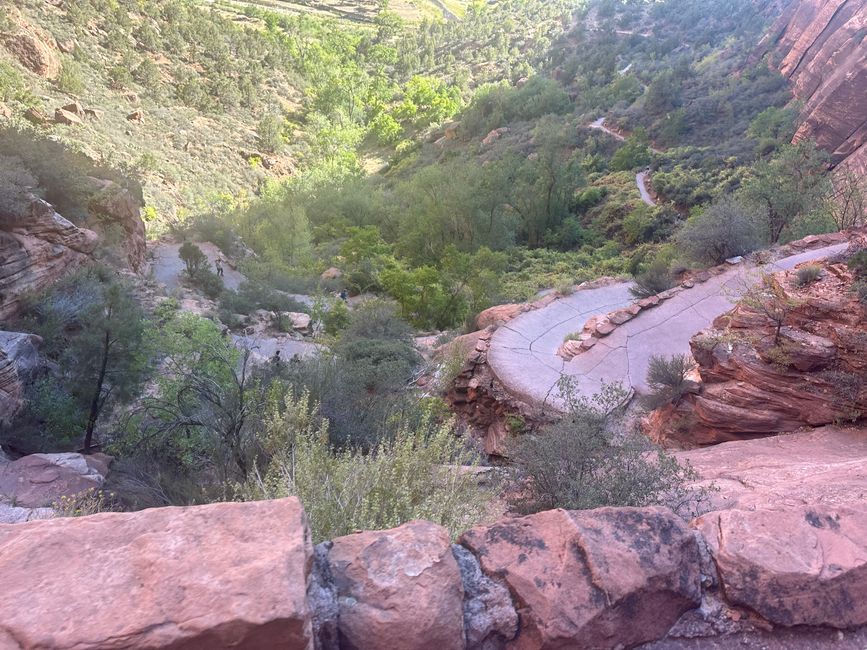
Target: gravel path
[
  {"x": 640, "y": 177},
  {"x": 523, "y": 353}
]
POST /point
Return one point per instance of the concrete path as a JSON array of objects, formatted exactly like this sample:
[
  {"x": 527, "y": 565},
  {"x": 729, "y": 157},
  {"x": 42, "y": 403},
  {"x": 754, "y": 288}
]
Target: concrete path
[
  {"x": 168, "y": 267},
  {"x": 641, "y": 181},
  {"x": 523, "y": 353}
]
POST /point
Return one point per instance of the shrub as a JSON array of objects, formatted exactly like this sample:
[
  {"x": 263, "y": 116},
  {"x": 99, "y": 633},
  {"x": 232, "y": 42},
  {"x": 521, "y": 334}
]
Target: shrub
[
  {"x": 87, "y": 502},
  {"x": 269, "y": 133},
  {"x": 860, "y": 289},
  {"x": 70, "y": 79},
  {"x": 808, "y": 274},
  {"x": 655, "y": 279},
  {"x": 416, "y": 475},
  {"x": 667, "y": 379},
  {"x": 858, "y": 263},
  {"x": 722, "y": 230},
  {"x": 209, "y": 283},
  {"x": 589, "y": 460},
  {"x": 193, "y": 258},
  {"x": 251, "y": 296}
]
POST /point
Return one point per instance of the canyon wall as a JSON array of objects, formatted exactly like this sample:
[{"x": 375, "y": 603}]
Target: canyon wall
[{"x": 821, "y": 47}]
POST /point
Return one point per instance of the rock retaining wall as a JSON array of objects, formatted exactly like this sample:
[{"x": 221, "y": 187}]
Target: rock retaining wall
[{"x": 245, "y": 575}]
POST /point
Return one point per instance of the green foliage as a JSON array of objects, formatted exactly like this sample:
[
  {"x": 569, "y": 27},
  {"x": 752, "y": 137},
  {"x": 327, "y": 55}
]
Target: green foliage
[
  {"x": 667, "y": 379},
  {"x": 498, "y": 105},
  {"x": 654, "y": 279},
  {"x": 414, "y": 475},
  {"x": 634, "y": 154},
  {"x": 858, "y": 263},
  {"x": 807, "y": 274},
  {"x": 588, "y": 460},
  {"x": 269, "y": 133},
  {"x": 195, "y": 261},
  {"x": 724, "y": 229},
  {"x": 71, "y": 79}
]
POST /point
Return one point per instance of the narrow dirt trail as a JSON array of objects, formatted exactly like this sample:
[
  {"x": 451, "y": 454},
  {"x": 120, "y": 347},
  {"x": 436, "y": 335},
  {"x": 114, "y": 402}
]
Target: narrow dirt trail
[{"x": 523, "y": 353}]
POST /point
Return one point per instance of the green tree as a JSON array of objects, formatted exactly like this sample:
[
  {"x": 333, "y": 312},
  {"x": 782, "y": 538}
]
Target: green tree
[
  {"x": 194, "y": 259},
  {"x": 790, "y": 185},
  {"x": 724, "y": 229}
]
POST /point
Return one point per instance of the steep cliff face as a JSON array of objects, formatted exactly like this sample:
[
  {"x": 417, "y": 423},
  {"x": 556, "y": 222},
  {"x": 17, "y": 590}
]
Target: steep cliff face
[{"x": 821, "y": 46}]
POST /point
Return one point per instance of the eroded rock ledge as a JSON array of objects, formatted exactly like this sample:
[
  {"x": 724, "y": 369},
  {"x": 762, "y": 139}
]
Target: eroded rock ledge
[{"x": 245, "y": 575}]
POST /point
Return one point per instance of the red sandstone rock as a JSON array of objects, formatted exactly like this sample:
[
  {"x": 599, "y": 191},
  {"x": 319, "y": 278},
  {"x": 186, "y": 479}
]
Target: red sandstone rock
[
  {"x": 62, "y": 116},
  {"x": 227, "y": 575},
  {"x": 119, "y": 206},
  {"x": 37, "y": 480},
  {"x": 607, "y": 578},
  {"x": 398, "y": 588},
  {"x": 806, "y": 566},
  {"x": 499, "y": 314},
  {"x": 31, "y": 46},
  {"x": 821, "y": 49},
  {"x": 19, "y": 357},
  {"x": 826, "y": 466}
]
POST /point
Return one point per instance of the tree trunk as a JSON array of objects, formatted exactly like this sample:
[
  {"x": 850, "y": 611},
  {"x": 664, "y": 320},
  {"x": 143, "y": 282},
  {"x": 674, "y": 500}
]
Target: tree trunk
[{"x": 95, "y": 403}]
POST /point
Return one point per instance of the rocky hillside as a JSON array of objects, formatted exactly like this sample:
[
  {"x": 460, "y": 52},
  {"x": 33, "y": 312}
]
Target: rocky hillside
[{"x": 819, "y": 45}]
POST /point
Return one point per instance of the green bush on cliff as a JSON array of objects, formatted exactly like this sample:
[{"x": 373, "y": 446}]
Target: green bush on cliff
[{"x": 418, "y": 474}]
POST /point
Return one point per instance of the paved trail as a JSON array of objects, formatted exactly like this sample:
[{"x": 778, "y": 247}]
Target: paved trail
[
  {"x": 523, "y": 353},
  {"x": 640, "y": 177}
]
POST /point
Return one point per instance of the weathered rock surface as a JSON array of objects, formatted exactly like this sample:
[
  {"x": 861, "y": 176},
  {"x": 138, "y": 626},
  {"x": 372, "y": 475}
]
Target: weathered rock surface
[
  {"x": 398, "y": 588},
  {"x": 119, "y": 206},
  {"x": 605, "y": 578},
  {"x": 36, "y": 249},
  {"x": 804, "y": 566},
  {"x": 825, "y": 467},
  {"x": 37, "y": 480},
  {"x": 819, "y": 46},
  {"x": 32, "y": 46},
  {"x": 228, "y": 575},
  {"x": 19, "y": 358}
]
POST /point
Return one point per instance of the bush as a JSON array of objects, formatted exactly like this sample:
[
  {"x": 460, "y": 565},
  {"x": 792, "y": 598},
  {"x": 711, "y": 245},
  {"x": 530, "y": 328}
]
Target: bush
[
  {"x": 416, "y": 475},
  {"x": 858, "y": 263},
  {"x": 808, "y": 274},
  {"x": 860, "y": 289},
  {"x": 655, "y": 279},
  {"x": 251, "y": 296},
  {"x": 667, "y": 379},
  {"x": 193, "y": 258},
  {"x": 588, "y": 460},
  {"x": 724, "y": 229},
  {"x": 269, "y": 133},
  {"x": 209, "y": 283},
  {"x": 70, "y": 79}
]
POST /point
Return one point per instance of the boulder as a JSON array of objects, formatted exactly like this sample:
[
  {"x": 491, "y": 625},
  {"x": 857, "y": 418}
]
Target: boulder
[
  {"x": 62, "y": 116},
  {"x": 38, "y": 480},
  {"x": 495, "y": 135},
  {"x": 606, "y": 578},
  {"x": 499, "y": 314},
  {"x": 30, "y": 45},
  {"x": 76, "y": 109},
  {"x": 226, "y": 575},
  {"x": 136, "y": 116},
  {"x": 5, "y": 111},
  {"x": 331, "y": 273},
  {"x": 804, "y": 566},
  {"x": 398, "y": 588},
  {"x": 36, "y": 116},
  {"x": 299, "y": 320}
]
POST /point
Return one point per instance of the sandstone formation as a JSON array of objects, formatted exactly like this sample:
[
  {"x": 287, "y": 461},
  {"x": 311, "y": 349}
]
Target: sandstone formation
[
  {"x": 32, "y": 46},
  {"x": 36, "y": 249},
  {"x": 818, "y": 45},
  {"x": 19, "y": 358},
  {"x": 117, "y": 205},
  {"x": 755, "y": 383},
  {"x": 822, "y": 467},
  {"x": 608, "y": 578},
  {"x": 227, "y": 575},
  {"x": 398, "y": 588},
  {"x": 38, "y": 480}
]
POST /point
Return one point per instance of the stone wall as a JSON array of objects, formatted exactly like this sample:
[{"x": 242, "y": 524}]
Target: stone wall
[{"x": 245, "y": 575}]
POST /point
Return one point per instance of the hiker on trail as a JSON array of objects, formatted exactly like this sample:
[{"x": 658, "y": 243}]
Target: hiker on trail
[
  {"x": 219, "y": 265},
  {"x": 276, "y": 361},
  {"x": 343, "y": 295}
]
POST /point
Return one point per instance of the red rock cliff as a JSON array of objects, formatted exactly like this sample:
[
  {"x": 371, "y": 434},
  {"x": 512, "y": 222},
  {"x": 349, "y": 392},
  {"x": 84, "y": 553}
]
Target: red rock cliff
[{"x": 821, "y": 46}]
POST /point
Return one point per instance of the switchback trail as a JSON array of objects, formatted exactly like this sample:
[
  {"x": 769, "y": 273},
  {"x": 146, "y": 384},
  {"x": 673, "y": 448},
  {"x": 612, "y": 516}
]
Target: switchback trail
[{"x": 523, "y": 352}]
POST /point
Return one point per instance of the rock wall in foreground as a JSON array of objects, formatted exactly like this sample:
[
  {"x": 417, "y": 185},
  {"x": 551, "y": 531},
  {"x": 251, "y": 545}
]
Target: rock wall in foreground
[{"x": 245, "y": 575}]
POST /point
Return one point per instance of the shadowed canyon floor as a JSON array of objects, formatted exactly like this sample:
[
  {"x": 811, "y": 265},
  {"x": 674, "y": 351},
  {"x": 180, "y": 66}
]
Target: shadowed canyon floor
[{"x": 523, "y": 353}]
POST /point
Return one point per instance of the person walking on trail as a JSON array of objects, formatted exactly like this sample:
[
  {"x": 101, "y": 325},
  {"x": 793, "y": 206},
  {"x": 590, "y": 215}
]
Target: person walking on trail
[{"x": 219, "y": 265}]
